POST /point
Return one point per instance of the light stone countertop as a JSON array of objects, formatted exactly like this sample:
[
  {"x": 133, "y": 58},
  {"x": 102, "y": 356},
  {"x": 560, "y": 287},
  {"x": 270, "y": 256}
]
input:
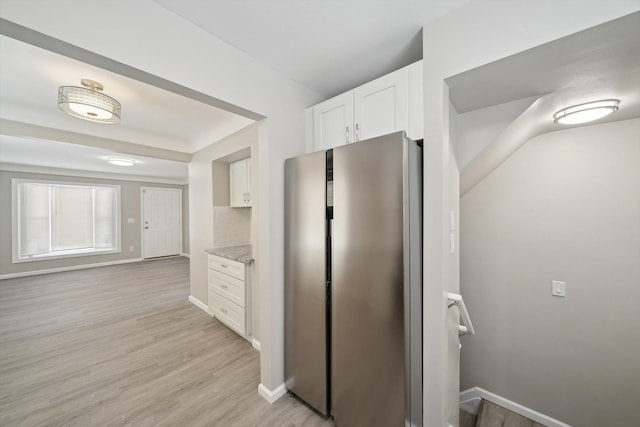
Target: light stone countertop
[{"x": 243, "y": 254}]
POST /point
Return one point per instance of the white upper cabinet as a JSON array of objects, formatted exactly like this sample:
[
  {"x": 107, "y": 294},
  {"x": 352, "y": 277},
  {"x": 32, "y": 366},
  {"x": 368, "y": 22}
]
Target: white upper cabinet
[
  {"x": 388, "y": 104},
  {"x": 240, "y": 183},
  {"x": 333, "y": 122},
  {"x": 381, "y": 106}
]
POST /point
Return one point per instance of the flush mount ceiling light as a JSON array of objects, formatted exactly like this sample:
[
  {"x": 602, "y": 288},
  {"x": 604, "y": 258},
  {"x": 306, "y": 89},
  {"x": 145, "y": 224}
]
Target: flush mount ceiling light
[
  {"x": 121, "y": 161},
  {"x": 88, "y": 102},
  {"x": 587, "y": 112}
]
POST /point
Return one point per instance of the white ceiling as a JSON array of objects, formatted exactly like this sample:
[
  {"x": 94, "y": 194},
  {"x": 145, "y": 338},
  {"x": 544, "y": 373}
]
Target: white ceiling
[
  {"x": 597, "y": 63},
  {"x": 151, "y": 116},
  {"x": 60, "y": 155},
  {"x": 329, "y": 46}
]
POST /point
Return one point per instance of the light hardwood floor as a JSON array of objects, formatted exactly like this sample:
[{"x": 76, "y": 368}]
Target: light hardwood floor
[{"x": 121, "y": 345}]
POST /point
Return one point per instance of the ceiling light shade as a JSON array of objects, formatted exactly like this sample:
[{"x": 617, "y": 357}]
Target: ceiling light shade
[
  {"x": 583, "y": 113},
  {"x": 89, "y": 102},
  {"x": 121, "y": 161}
]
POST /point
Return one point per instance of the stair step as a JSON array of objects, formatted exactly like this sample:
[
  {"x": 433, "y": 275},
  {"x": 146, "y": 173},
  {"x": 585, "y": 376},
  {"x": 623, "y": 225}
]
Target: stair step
[
  {"x": 467, "y": 419},
  {"x": 492, "y": 415}
]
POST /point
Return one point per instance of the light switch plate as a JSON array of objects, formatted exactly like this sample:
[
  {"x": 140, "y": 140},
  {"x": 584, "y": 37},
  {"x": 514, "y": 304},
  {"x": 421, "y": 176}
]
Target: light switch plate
[
  {"x": 130, "y": 220},
  {"x": 558, "y": 289}
]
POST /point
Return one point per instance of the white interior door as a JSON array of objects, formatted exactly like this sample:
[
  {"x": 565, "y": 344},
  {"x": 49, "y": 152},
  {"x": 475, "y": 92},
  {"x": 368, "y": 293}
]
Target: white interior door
[{"x": 161, "y": 222}]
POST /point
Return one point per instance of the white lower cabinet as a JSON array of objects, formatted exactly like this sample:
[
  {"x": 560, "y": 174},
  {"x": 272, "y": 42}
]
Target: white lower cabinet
[
  {"x": 228, "y": 313},
  {"x": 230, "y": 293}
]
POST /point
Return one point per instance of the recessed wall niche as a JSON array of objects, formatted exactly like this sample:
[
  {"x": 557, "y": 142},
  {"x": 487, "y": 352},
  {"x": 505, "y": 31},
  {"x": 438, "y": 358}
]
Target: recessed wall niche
[{"x": 231, "y": 226}]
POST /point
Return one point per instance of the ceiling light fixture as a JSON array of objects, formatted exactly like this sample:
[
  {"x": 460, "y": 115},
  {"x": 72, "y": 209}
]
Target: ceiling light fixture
[
  {"x": 89, "y": 102},
  {"x": 121, "y": 161},
  {"x": 587, "y": 112}
]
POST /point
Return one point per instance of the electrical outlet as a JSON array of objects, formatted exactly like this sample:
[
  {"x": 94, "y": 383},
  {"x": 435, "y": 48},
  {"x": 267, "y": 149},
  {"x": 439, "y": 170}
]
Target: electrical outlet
[
  {"x": 558, "y": 289},
  {"x": 130, "y": 248}
]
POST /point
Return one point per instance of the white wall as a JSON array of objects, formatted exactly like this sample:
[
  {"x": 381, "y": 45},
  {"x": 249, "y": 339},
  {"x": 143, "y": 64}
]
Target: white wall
[
  {"x": 152, "y": 39},
  {"x": 479, "y": 128},
  {"x": 564, "y": 207},
  {"x": 473, "y": 35},
  {"x": 130, "y": 234}
]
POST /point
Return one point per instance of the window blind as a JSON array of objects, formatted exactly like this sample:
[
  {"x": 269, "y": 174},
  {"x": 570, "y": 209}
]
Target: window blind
[{"x": 58, "y": 219}]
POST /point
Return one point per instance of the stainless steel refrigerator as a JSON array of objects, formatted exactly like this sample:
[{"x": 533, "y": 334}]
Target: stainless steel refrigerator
[{"x": 353, "y": 278}]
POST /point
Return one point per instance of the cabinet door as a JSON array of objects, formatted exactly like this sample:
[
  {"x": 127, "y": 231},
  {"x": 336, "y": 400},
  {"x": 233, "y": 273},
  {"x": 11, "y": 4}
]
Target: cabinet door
[
  {"x": 381, "y": 106},
  {"x": 248, "y": 187},
  {"x": 333, "y": 122},
  {"x": 416, "y": 98},
  {"x": 239, "y": 193}
]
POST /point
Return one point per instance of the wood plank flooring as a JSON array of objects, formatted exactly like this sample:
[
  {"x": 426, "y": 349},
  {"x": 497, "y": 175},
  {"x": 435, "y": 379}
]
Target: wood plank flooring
[{"x": 121, "y": 345}]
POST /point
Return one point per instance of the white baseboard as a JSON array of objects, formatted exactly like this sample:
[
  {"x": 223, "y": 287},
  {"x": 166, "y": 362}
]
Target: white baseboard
[
  {"x": 256, "y": 344},
  {"x": 272, "y": 395},
  {"x": 185, "y": 255},
  {"x": 202, "y": 306},
  {"x": 470, "y": 402},
  {"x": 68, "y": 268}
]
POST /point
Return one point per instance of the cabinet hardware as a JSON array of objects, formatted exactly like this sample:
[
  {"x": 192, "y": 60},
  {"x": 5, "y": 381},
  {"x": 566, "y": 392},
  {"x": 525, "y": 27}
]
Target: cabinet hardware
[
  {"x": 357, "y": 132},
  {"x": 223, "y": 310},
  {"x": 347, "y": 137},
  {"x": 223, "y": 286},
  {"x": 223, "y": 265}
]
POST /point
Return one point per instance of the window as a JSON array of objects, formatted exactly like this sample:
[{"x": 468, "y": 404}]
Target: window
[{"x": 57, "y": 219}]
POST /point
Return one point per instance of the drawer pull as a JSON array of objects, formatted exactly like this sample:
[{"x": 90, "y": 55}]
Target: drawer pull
[
  {"x": 223, "y": 265},
  {"x": 223, "y": 310},
  {"x": 223, "y": 286}
]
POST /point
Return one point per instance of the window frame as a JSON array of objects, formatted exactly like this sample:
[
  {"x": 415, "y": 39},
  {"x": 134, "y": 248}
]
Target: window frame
[{"x": 16, "y": 229}]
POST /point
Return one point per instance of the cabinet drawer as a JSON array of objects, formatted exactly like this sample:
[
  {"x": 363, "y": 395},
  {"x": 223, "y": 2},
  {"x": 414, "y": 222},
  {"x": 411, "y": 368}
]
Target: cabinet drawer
[
  {"x": 227, "y": 312},
  {"x": 227, "y": 266},
  {"x": 227, "y": 286}
]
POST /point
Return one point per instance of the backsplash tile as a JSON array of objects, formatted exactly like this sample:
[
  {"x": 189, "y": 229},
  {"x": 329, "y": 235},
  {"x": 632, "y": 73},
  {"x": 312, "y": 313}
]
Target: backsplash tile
[{"x": 231, "y": 226}]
